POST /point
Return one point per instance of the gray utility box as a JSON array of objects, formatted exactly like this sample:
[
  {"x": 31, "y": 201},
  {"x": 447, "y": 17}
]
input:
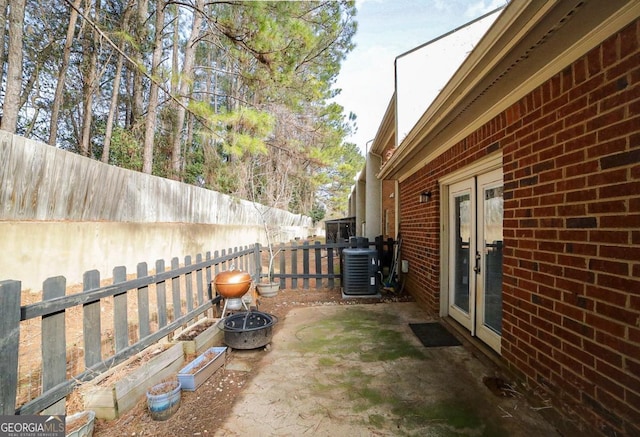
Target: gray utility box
[{"x": 360, "y": 274}]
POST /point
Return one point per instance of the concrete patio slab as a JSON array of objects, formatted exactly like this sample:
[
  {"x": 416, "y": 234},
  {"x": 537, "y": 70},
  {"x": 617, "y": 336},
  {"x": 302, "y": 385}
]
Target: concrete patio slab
[{"x": 356, "y": 370}]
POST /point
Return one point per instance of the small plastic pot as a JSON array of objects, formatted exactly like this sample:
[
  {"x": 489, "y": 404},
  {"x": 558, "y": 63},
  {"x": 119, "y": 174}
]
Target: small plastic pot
[{"x": 163, "y": 399}]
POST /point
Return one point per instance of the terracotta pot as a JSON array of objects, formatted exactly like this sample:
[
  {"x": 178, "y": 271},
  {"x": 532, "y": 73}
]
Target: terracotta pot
[{"x": 232, "y": 283}]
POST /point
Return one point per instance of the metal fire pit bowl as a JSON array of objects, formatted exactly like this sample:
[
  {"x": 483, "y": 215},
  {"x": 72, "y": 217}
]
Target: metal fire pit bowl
[{"x": 248, "y": 330}]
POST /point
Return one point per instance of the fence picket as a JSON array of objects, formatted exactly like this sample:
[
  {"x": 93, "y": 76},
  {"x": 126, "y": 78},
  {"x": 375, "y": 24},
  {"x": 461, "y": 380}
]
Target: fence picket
[
  {"x": 54, "y": 343},
  {"x": 120, "y": 315},
  {"x": 10, "y": 335},
  {"x": 175, "y": 290},
  {"x": 283, "y": 266},
  {"x": 144, "y": 329},
  {"x": 188, "y": 284},
  {"x": 209, "y": 285},
  {"x": 91, "y": 321},
  {"x": 294, "y": 266},
  {"x": 305, "y": 265},
  {"x": 208, "y": 274},
  {"x": 318, "y": 258},
  {"x": 200, "y": 290},
  {"x": 246, "y": 262},
  {"x": 239, "y": 263},
  {"x": 331, "y": 282},
  {"x": 161, "y": 296}
]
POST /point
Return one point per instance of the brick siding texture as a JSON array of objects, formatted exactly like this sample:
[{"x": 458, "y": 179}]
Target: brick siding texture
[{"x": 571, "y": 284}]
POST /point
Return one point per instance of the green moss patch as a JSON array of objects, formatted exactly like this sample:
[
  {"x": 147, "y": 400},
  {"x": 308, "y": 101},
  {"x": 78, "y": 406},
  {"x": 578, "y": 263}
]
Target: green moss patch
[
  {"x": 357, "y": 352},
  {"x": 358, "y": 335}
]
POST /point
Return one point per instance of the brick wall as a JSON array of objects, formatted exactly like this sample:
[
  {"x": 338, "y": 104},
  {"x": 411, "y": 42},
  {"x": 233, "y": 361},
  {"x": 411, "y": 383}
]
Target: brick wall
[
  {"x": 571, "y": 157},
  {"x": 572, "y": 218}
]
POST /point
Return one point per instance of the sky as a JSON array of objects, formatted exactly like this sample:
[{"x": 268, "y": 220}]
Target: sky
[{"x": 387, "y": 29}]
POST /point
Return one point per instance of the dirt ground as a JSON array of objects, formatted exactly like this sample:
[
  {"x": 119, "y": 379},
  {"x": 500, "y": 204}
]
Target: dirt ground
[{"x": 205, "y": 410}]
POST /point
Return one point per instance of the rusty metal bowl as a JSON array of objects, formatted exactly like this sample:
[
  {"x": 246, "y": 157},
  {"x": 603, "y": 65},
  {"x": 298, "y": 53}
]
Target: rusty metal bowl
[{"x": 232, "y": 283}]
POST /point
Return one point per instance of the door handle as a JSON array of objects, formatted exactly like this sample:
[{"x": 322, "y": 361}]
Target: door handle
[{"x": 477, "y": 266}]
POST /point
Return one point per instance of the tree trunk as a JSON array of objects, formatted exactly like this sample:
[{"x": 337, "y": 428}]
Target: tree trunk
[
  {"x": 90, "y": 81},
  {"x": 150, "y": 122},
  {"x": 140, "y": 31},
  {"x": 175, "y": 78},
  {"x": 175, "y": 54},
  {"x": 3, "y": 28},
  {"x": 11, "y": 105},
  {"x": 185, "y": 81},
  {"x": 66, "y": 55},
  {"x": 113, "y": 107}
]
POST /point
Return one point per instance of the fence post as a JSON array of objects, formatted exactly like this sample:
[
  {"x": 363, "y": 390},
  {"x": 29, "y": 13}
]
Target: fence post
[
  {"x": 54, "y": 343},
  {"x": 9, "y": 340}
]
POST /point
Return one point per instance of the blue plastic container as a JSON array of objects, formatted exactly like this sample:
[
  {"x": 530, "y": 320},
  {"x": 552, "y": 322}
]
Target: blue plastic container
[{"x": 163, "y": 405}]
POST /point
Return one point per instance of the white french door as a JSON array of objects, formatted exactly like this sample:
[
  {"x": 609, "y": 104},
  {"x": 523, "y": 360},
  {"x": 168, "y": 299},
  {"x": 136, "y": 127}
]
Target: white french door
[{"x": 475, "y": 255}]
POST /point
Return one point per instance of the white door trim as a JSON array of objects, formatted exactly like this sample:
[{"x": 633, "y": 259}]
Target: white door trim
[
  {"x": 484, "y": 165},
  {"x": 490, "y": 165}
]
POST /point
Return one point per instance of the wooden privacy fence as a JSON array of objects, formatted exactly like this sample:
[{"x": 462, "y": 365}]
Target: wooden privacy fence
[{"x": 143, "y": 310}]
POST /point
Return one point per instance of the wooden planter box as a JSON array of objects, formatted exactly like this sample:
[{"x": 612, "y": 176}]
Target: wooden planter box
[
  {"x": 212, "y": 336},
  {"x": 111, "y": 399},
  {"x": 199, "y": 370}
]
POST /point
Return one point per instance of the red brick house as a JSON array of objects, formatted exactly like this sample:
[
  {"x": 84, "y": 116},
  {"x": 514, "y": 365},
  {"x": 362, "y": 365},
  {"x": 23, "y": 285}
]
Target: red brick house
[{"x": 517, "y": 196}]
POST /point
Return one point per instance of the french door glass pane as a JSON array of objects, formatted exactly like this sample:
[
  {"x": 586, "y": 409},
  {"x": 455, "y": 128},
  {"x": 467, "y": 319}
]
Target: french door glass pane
[
  {"x": 462, "y": 241},
  {"x": 493, "y": 212}
]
